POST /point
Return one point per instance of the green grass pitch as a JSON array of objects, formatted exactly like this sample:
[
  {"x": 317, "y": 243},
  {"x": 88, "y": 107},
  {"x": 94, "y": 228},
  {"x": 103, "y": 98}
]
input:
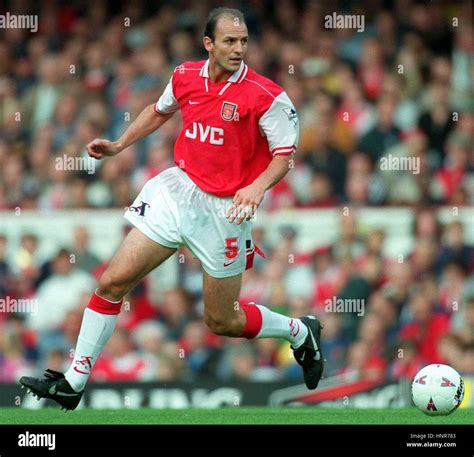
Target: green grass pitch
[{"x": 231, "y": 415}]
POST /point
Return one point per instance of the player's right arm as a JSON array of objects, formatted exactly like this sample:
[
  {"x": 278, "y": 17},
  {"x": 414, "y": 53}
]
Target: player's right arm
[
  {"x": 146, "y": 122},
  {"x": 149, "y": 120}
]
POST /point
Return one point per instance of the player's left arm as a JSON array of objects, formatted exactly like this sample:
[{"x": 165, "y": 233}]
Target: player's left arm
[
  {"x": 247, "y": 200},
  {"x": 280, "y": 126}
]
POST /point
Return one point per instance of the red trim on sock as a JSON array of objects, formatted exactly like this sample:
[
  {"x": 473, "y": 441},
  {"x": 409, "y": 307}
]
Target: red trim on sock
[
  {"x": 253, "y": 324},
  {"x": 104, "y": 306}
]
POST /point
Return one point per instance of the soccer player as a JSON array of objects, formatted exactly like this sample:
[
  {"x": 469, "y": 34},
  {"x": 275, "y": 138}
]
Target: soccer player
[{"x": 239, "y": 133}]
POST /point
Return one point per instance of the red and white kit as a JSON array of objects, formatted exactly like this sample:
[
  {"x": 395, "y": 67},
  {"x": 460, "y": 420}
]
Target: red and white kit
[{"x": 231, "y": 131}]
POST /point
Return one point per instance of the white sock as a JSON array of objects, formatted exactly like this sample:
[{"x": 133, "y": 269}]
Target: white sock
[
  {"x": 96, "y": 329},
  {"x": 276, "y": 325}
]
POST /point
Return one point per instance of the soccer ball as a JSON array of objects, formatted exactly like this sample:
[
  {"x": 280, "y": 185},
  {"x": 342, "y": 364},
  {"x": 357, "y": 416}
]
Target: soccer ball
[{"x": 437, "y": 390}]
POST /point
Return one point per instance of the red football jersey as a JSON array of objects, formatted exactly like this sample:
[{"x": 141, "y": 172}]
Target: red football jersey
[{"x": 232, "y": 129}]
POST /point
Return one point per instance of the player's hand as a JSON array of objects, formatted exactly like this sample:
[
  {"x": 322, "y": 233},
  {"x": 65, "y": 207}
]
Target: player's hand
[
  {"x": 102, "y": 148},
  {"x": 245, "y": 203}
]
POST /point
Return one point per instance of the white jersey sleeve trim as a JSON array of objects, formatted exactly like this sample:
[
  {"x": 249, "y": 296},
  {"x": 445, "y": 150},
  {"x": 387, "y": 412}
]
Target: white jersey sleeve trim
[
  {"x": 280, "y": 125},
  {"x": 167, "y": 103}
]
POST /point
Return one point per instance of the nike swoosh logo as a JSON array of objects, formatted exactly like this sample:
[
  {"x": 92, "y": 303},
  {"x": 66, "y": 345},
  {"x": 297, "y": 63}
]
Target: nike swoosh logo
[
  {"x": 53, "y": 390},
  {"x": 193, "y": 103},
  {"x": 318, "y": 355},
  {"x": 303, "y": 356},
  {"x": 230, "y": 263}
]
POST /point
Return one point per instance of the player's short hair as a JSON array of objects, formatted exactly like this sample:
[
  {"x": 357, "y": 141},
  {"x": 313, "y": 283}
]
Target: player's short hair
[{"x": 216, "y": 13}]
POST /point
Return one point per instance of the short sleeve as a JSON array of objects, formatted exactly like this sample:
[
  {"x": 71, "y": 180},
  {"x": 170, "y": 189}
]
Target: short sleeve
[
  {"x": 280, "y": 125},
  {"x": 167, "y": 103}
]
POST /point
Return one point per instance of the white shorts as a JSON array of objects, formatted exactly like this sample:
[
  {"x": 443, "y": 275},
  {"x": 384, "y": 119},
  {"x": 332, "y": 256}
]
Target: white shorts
[{"x": 173, "y": 211}]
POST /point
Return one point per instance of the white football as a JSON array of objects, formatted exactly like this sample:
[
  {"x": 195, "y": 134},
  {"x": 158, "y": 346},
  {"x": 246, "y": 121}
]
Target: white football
[{"x": 437, "y": 390}]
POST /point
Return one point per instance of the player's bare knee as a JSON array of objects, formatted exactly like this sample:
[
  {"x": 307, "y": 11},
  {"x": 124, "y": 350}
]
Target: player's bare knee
[
  {"x": 222, "y": 326},
  {"x": 111, "y": 287},
  {"x": 217, "y": 325}
]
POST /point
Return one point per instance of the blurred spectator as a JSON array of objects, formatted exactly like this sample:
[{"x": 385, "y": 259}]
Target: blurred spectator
[
  {"x": 385, "y": 309},
  {"x": 239, "y": 362},
  {"x": 190, "y": 272},
  {"x": 405, "y": 172},
  {"x": 84, "y": 257},
  {"x": 41, "y": 99},
  {"x": 354, "y": 110},
  {"x": 13, "y": 362},
  {"x": 26, "y": 259},
  {"x": 60, "y": 340},
  {"x": 467, "y": 364},
  {"x": 175, "y": 312},
  {"x": 120, "y": 362},
  {"x": 362, "y": 365},
  {"x": 200, "y": 356},
  {"x": 447, "y": 185},
  {"x": 452, "y": 282},
  {"x": 374, "y": 242},
  {"x": 462, "y": 324},
  {"x": 437, "y": 122},
  {"x": 398, "y": 284},
  {"x": 326, "y": 160},
  {"x": 450, "y": 350},
  {"x": 407, "y": 362},
  {"x": 349, "y": 243},
  {"x": 454, "y": 248},
  {"x": 148, "y": 337},
  {"x": 423, "y": 256},
  {"x": 461, "y": 79},
  {"x": 334, "y": 343},
  {"x": 357, "y": 290},
  {"x": 171, "y": 365},
  {"x": 425, "y": 328},
  {"x": 59, "y": 293},
  {"x": 64, "y": 120},
  {"x": 57, "y": 360},
  {"x": 426, "y": 224},
  {"x": 4, "y": 266},
  {"x": 384, "y": 134},
  {"x": 372, "y": 331}
]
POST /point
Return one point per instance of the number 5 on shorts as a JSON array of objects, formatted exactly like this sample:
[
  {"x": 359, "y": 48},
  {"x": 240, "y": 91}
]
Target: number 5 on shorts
[{"x": 232, "y": 250}]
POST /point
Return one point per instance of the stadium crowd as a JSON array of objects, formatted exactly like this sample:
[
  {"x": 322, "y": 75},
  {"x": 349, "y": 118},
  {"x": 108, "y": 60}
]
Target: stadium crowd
[{"x": 399, "y": 89}]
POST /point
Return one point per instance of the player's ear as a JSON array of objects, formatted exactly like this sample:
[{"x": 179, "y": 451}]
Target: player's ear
[{"x": 208, "y": 43}]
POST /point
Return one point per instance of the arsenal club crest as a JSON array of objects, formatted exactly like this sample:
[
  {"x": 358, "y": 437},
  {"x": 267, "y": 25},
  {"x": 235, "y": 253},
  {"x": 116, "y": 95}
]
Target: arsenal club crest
[{"x": 228, "y": 111}]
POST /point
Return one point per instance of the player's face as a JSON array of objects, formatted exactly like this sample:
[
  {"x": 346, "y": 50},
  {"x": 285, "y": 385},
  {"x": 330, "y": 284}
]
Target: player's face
[{"x": 230, "y": 44}]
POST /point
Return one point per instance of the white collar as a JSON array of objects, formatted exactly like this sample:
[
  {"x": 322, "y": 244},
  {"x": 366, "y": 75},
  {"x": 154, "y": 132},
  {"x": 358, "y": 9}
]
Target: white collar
[{"x": 236, "y": 77}]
